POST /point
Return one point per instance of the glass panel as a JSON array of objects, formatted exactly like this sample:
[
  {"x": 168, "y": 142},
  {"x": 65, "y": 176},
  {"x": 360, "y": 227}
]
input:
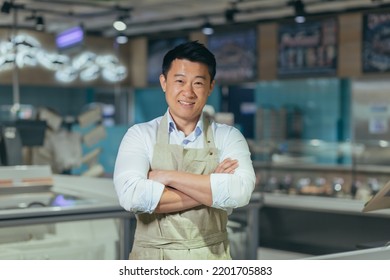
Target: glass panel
[
  {"x": 317, "y": 167},
  {"x": 77, "y": 240}
]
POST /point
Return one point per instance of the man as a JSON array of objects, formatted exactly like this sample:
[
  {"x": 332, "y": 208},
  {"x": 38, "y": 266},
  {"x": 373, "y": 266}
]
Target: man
[{"x": 181, "y": 174}]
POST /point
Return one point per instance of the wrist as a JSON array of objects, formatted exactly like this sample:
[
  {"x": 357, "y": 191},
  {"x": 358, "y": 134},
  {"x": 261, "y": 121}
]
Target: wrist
[{"x": 169, "y": 175}]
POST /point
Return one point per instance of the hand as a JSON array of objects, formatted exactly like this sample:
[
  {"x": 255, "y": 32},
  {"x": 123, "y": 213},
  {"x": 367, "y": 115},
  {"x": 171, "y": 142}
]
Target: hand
[
  {"x": 227, "y": 166},
  {"x": 159, "y": 176}
]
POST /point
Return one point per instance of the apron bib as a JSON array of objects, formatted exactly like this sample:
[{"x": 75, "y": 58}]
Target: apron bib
[{"x": 194, "y": 234}]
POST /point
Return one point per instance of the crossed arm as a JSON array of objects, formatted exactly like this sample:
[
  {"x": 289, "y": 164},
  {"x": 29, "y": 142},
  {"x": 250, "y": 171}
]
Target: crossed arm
[{"x": 185, "y": 190}]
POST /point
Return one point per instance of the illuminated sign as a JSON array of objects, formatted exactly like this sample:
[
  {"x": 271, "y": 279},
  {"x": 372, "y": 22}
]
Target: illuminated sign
[
  {"x": 69, "y": 38},
  {"x": 26, "y": 51}
]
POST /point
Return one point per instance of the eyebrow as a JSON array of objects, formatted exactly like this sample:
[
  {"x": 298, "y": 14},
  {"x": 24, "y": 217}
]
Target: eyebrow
[{"x": 182, "y": 75}]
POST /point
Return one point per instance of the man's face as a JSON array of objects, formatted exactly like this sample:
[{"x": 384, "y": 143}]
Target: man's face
[{"x": 187, "y": 87}]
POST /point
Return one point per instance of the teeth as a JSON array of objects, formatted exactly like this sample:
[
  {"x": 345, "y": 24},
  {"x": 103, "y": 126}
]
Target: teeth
[{"x": 185, "y": 103}]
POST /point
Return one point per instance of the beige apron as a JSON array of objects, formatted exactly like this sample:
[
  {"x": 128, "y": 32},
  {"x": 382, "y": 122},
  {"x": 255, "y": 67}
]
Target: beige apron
[{"x": 198, "y": 233}]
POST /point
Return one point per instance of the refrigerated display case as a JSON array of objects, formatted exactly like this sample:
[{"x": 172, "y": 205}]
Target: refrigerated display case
[
  {"x": 75, "y": 218},
  {"x": 314, "y": 193}
]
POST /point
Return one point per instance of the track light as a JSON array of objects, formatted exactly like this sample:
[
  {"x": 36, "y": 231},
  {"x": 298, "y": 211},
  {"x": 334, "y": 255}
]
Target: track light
[
  {"x": 6, "y": 7},
  {"x": 121, "y": 39},
  {"x": 120, "y": 24},
  {"x": 300, "y": 13},
  {"x": 40, "y": 23},
  {"x": 230, "y": 13},
  {"x": 207, "y": 29}
]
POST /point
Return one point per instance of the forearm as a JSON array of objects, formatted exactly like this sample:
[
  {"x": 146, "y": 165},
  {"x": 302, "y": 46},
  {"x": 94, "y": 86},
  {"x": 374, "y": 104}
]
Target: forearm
[
  {"x": 173, "y": 200},
  {"x": 195, "y": 186}
]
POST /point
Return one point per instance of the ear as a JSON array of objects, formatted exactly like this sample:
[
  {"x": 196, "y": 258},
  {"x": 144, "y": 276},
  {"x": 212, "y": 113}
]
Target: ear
[
  {"x": 163, "y": 82},
  {"x": 211, "y": 87}
]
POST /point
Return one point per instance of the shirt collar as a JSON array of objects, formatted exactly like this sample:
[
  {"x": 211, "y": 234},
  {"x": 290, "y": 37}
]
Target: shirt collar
[
  {"x": 172, "y": 124},
  {"x": 190, "y": 138}
]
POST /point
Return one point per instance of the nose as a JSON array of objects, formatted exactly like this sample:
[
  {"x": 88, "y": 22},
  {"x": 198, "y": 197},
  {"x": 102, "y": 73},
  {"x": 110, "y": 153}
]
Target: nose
[{"x": 188, "y": 90}]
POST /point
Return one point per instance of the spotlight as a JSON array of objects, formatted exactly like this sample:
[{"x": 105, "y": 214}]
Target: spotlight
[
  {"x": 300, "y": 13},
  {"x": 120, "y": 24},
  {"x": 40, "y": 23},
  {"x": 6, "y": 7},
  {"x": 207, "y": 29},
  {"x": 230, "y": 13},
  {"x": 121, "y": 39}
]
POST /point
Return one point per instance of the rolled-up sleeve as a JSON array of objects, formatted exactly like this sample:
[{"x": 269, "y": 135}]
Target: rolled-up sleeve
[
  {"x": 233, "y": 190},
  {"x": 135, "y": 192}
]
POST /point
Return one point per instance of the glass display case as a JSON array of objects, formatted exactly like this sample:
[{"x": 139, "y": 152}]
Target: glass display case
[
  {"x": 95, "y": 239},
  {"x": 314, "y": 192},
  {"x": 61, "y": 217},
  {"x": 315, "y": 167}
]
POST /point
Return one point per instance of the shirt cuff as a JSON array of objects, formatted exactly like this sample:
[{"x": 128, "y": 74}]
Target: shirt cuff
[
  {"x": 220, "y": 191},
  {"x": 156, "y": 189}
]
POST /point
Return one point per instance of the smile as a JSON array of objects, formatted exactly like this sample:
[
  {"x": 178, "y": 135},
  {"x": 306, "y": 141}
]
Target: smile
[{"x": 186, "y": 103}]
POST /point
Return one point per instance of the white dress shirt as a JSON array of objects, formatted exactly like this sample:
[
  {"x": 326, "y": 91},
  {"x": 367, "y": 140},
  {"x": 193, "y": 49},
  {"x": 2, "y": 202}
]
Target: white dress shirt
[{"x": 139, "y": 194}]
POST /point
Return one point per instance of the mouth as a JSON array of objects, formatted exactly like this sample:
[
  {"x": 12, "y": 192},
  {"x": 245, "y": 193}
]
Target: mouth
[{"x": 185, "y": 103}]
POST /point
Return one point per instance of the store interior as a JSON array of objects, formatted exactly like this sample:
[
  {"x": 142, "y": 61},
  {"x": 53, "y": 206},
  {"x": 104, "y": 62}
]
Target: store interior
[{"x": 311, "y": 98}]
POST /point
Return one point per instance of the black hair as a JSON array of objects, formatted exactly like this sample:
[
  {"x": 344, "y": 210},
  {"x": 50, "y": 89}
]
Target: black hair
[{"x": 192, "y": 51}]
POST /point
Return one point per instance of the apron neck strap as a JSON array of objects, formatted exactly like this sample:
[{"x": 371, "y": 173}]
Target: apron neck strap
[{"x": 163, "y": 131}]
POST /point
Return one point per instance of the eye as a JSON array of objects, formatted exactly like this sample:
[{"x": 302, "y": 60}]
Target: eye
[{"x": 199, "y": 83}]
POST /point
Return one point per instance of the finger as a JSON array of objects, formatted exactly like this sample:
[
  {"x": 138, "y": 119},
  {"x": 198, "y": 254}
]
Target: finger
[
  {"x": 227, "y": 166},
  {"x": 231, "y": 167},
  {"x": 221, "y": 166}
]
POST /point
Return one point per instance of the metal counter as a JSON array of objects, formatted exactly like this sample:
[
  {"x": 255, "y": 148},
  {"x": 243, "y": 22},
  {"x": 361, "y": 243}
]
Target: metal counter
[
  {"x": 90, "y": 199},
  {"x": 320, "y": 225},
  {"x": 86, "y": 198}
]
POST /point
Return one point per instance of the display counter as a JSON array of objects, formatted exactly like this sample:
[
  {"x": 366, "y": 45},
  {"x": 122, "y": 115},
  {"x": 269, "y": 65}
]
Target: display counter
[
  {"x": 314, "y": 193},
  {"x": 320, "y": 225},
  {"x": 80, "y": 218},
  {"x": 380, "y": 253},
  {"x": 345, "y": 206}
]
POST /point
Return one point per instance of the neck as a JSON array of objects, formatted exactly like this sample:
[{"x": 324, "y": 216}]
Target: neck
[{"x": 186, "y": 126}]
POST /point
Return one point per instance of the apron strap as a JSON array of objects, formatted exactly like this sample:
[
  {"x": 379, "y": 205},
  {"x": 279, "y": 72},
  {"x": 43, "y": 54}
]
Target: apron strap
[
  {"x": 163, "y": 137},
  {"x": 176, "y": 244}
]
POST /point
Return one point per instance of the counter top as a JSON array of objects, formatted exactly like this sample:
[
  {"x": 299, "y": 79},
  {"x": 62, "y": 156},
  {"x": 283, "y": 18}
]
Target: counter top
[
  {"x": 88, "y": 196},
  {"x": 322, "y": 204},
  {"x": 91, "y": 196},
  {"x": 380, "y": 253},
  {"x": 359, "y": 168}
]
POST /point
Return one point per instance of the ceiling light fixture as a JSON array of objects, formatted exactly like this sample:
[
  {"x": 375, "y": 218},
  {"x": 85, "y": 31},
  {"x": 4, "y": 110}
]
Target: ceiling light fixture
[
  {"x": 40, "y": 23},
  {"x": 6, "y": 7},
  {"x": 120, "y": 24},
  {"x": 231, "y": 12},
  {"x": 299, "y": 8},
  {"x": 121, "y": 39},
  {"x": 207, "y": 29}
]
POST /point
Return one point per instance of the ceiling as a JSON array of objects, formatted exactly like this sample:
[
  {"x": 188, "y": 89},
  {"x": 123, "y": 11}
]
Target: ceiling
[{"x": 158, "y": 16}]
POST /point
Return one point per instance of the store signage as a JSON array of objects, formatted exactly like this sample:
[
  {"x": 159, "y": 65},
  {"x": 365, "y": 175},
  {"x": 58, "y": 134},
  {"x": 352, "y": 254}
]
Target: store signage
[
  {"x": 25, "y": 51},
  {"x": 308, "y": 49},
  {"x": 376, "y": 42},
  {"x": 157, "y": 48},
  {"x": 236, "y": 57},
  {"x": 70, "y": 38}
]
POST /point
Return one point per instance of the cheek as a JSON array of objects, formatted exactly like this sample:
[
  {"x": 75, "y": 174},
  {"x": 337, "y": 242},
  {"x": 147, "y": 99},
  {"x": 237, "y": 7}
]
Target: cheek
[{"x": 204, "y": 95}]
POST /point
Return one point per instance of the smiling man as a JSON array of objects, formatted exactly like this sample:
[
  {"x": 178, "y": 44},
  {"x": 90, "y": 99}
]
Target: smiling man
[{"x": 180, "y": 173}]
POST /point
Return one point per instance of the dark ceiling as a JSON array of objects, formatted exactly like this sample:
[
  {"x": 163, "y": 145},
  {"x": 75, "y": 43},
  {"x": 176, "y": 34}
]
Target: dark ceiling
[{"x": 145, "y": 17}]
